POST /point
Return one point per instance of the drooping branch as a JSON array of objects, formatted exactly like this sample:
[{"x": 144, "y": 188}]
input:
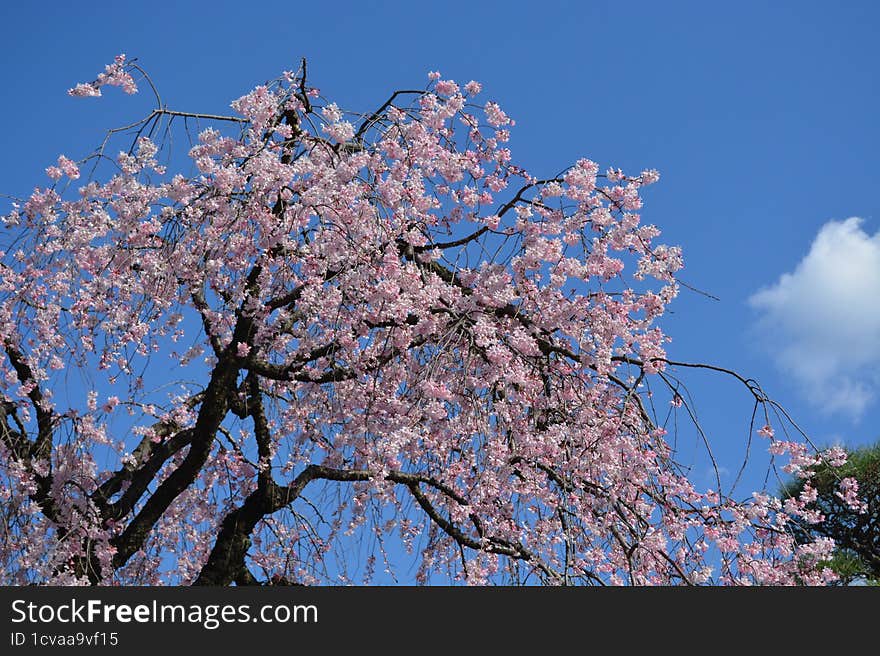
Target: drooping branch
[
  {"x": 227, "y": 558},
  {"x": 452, "y": 244},
  {"x": 365, "y": 125},
  {"x": 518, "y": 197}
]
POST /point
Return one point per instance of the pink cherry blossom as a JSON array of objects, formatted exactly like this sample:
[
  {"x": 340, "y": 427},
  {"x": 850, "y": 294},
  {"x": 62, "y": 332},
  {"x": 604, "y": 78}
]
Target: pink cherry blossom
[
  {"x": 473, "y": 87},
  {"x": 116, "y": 74},
  {"x": 849, "y": 494}
]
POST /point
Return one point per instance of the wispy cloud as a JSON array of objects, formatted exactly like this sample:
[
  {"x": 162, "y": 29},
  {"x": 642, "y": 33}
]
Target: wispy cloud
[{"x": 821, "y": 322}]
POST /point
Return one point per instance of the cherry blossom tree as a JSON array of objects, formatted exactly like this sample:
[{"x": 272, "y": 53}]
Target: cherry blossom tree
[{"x": 340, "y": 345}]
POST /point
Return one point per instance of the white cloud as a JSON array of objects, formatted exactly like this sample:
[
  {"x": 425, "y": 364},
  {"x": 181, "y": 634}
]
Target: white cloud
[{"x": 822, "y": 321}]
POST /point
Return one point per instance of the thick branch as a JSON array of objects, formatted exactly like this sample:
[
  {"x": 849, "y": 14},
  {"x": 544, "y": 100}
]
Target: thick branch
[
  {"x": 148, "y": 458},
  {"x": 42, "y": 445},
  {"x": 227, "y": 559},
  {"x": 198, "y": 297},
  {"x": 211, "y": 413},
  {"x": 14, "y": 440},
  {"x": 144, "y": 475}
]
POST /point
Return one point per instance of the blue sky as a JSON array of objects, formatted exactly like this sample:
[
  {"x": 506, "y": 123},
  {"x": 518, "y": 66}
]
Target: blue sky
[{"x": 761, "y": 118}]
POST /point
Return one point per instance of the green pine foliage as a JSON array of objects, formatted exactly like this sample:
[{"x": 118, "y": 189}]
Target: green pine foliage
[{"x": 857, "y": 534}]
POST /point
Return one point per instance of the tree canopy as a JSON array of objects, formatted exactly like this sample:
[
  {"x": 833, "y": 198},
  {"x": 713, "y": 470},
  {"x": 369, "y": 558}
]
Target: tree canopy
[{"x": 336, "y": 343}]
